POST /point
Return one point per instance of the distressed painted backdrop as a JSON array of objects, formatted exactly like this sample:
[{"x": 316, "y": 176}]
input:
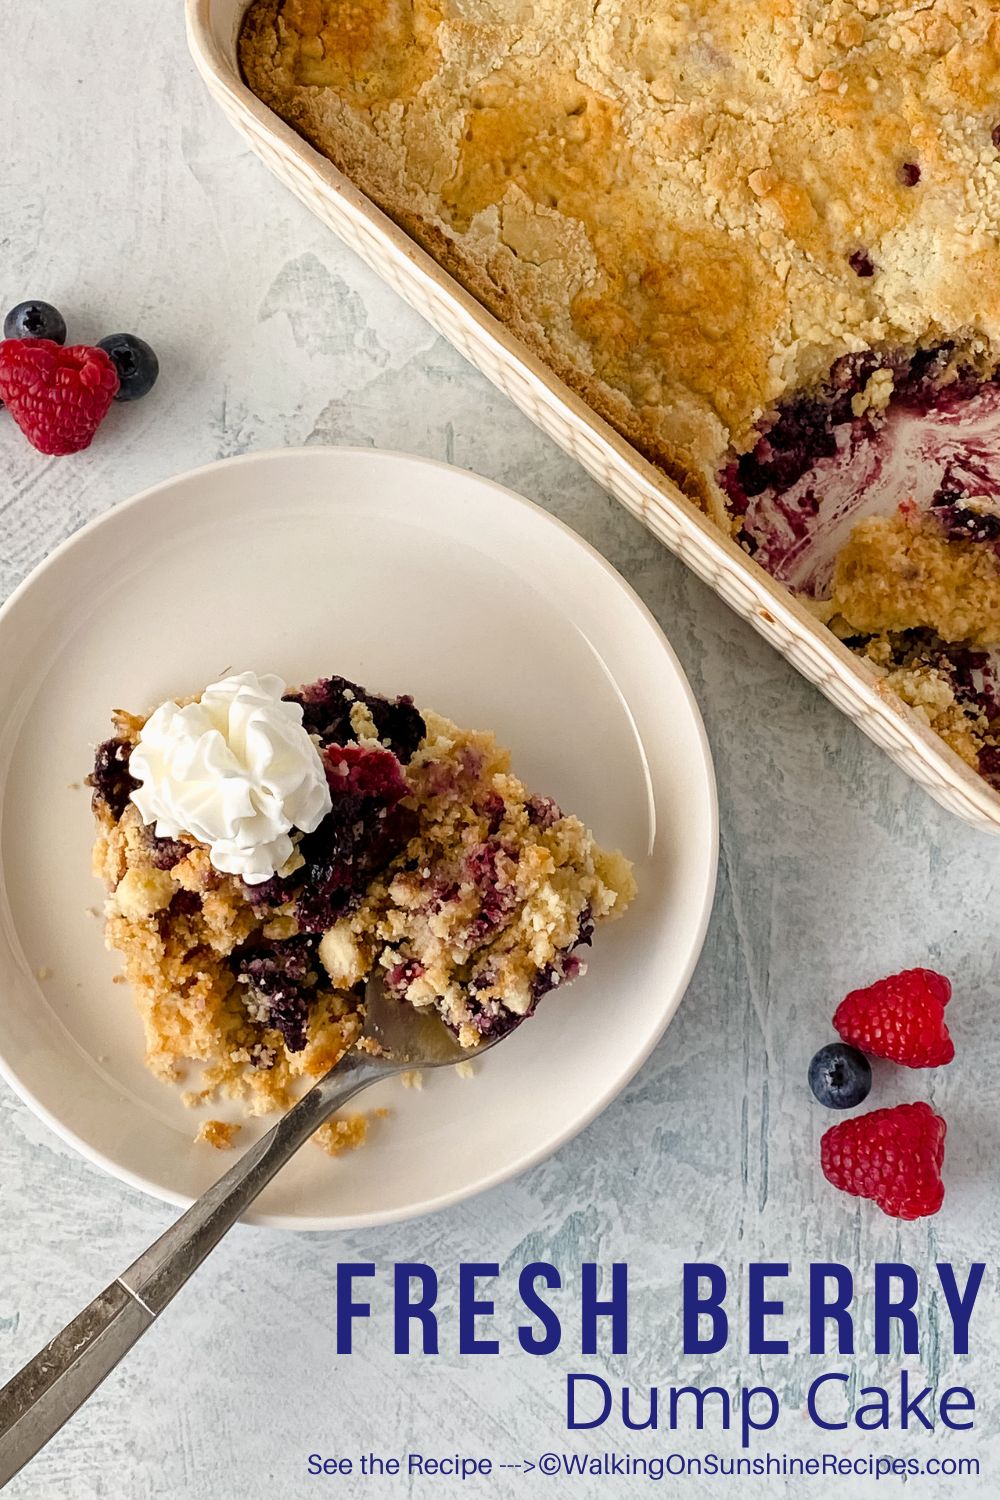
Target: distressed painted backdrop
[{"x": 127, "y": 200}]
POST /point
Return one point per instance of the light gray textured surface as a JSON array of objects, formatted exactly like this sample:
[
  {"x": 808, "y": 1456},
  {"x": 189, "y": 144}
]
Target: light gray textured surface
[{"x": 126, "y": 200}]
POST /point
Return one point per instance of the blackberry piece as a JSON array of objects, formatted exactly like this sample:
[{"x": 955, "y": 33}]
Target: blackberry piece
[
  {"x": 963, "y": 521},
  {"x": 112, "y": 782},
  {"x": 967, "y": 525},
  {"x": 326, "y": 712},
  {"x": 281, "y": 981}
]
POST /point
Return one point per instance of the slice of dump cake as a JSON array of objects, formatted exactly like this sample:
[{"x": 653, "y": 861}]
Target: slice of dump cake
[
  {"x": 761, "y": 237},
  {"x": 266, "y": 850}
]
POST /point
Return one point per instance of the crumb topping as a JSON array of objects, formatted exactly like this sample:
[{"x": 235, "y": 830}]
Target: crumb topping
[
  {"x": 954, "y": 689},
  {"x": 760, "y": 237},
  {"x": 466, "y": 892},
  {"x": 899, "y": 573},
  {"x": 218, "y": 1133},
  {"x": 690, "y": 210}
]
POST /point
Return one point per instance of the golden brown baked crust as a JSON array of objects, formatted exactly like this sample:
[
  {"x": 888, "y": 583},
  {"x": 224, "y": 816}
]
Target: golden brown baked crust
[
  {"x": 713, "y": 219},
  {"x": 901, "y": 573},
  {"x": 665, "y": 199},
  {"x": 915, "y": 670},
  {"x": 218, "y": 1133}
]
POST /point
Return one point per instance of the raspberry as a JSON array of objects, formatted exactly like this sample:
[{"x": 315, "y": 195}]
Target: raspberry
[
  {"x": 58, "y": 397},
  {"x": 355, "y": 770},
  {"x": 892, "y": 1156},
  {"x": 900, "y": 1018}
]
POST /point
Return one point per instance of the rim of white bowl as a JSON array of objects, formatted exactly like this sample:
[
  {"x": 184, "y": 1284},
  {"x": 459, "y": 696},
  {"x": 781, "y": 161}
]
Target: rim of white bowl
[{"x": 319, "y": 1223}]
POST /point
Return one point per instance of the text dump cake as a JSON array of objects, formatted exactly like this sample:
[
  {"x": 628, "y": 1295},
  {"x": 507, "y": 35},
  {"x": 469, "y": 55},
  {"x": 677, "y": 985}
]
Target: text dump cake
[
  {"x": 265, "y": 851},
  {"x": 761, "y": 237}
]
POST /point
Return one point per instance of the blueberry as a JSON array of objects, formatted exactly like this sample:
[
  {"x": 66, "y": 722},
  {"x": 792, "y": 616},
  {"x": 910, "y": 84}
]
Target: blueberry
[
  {"x": 840, "y": 1076},
  {"x": 35, "y": 320},
  {"x": 135, "y": 362}
]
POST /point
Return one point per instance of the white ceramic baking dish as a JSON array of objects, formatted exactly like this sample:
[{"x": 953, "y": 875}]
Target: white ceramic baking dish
[{"x": 213, "y": 26}]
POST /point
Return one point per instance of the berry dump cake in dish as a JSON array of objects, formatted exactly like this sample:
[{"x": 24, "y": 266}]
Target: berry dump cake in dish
[
  {"x": 266, "y": 850},
  {"x": 761, "y": 237}
]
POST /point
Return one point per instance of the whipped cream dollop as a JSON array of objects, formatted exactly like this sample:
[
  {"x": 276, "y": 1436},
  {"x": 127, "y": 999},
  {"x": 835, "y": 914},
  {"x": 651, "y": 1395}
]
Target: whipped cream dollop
[{"x": 236, "y": 770}]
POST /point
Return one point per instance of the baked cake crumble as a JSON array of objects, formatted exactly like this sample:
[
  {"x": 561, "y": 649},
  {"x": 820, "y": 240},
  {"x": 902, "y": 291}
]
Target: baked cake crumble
[
  {"x": 431, "y": 863},
  {"x": 763, "y": 240}
]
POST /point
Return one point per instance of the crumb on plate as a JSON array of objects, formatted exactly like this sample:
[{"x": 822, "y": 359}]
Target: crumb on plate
[{"x": 218, "y": 1133}]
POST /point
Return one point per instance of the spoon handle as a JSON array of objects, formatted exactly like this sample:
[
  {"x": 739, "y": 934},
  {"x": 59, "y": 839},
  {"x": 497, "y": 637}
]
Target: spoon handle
[{"x": 49, "y": 1389}]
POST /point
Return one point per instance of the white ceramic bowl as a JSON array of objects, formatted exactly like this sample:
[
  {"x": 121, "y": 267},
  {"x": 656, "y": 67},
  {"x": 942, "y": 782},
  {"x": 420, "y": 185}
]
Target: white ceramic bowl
[{"x": 407, "y": 576}]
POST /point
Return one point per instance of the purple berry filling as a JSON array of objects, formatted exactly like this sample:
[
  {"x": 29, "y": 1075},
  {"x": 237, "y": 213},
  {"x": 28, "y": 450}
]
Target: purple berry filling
[
  {"x": 326, "y": 712},
  {"x": 365, "y": 829},
  {"x": 281, "y": 980},
  {"x": 185, "y": 903},
  {"x": 962, "y": 524},
  {"x": 805, "y": 429},
  {"x": 909, "y": 173},
  {"x": 972, "y": 673},
  {"x": 401, "y": 976},
  {"x": 975, "y": 683},
  {"x": 111, "y": 780},
  {"x": 802, "y": 432},
  {"x": 974, "y": 676},
  {"x": 492, "y": 809},
  {"x": 114, "y": 784},
  {"x": 962, "y": 521},
  {"x": 492, "y": 1018},
  {"x": 820, "y": 466},
  {"x": 497, "y": 894},
  {"x": 165, "y": 853},
  {"x": 861, "y": 263},
  {"x": 989, "y": 765},
  {"x": 566, "y": 967},
  {"x": 543, "y": 812}
]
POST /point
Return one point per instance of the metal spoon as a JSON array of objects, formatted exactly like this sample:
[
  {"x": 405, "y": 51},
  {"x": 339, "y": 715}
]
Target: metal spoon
[{"x": 50, "y": 1387}]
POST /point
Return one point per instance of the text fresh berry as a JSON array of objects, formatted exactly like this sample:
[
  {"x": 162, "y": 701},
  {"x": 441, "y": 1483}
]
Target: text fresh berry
[
  {"x": 135, "y": 362},
  {"x": 58, "y": 397},
  {"x": 893, "y": 1156},
  {"x": 900, "y": 1018},
  {"x": 840, "y": 1076},
  {"x": 35, "y": 320}
]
